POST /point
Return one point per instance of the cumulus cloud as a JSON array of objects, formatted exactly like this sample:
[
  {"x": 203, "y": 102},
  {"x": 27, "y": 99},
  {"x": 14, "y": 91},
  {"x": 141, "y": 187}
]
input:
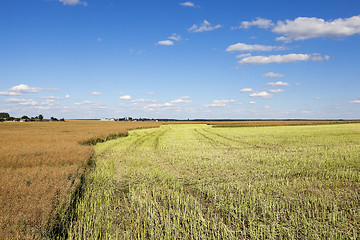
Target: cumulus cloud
[
  {"x": 73, "y": 2},
  {"x": 125, "y": 97},
  {"x": 22, "y": 101},
  {"x": 23, "y": 88},
  {"x": 85, "y": 102},
  {"x": 142, "y": 100},
  {"x": 303, "y": 28},
  {"x": 293, "y": 57},
  {"x": 279, "y": 83},
  {"x": 159, "y": 105},
  {"x": 220, "y": 103},
  {"x": 259, "y": 22},
  {"x": 67, "y": 96},
  {"x": 355, "y": 101},
  {"x": 252, "y": 102},
  {"x": 181, "y": 100},
  {"x": 246, "y": 90},
  {"x": 96, "y": 93},
  {"x": 262, "y": 94},
  {"x": 175, "y": 37},
  {"x": 187, "y": 4},
  {"x": 204, "y": 27},
  {"x": 255, "y": 47},
  {"x": 273, "y": 75},
  {"x": 276, "y": 90},
  {"x": 166, "y": 42},
  {"x": 10, "y": 93},
  {"x": 243, "y": 55}
]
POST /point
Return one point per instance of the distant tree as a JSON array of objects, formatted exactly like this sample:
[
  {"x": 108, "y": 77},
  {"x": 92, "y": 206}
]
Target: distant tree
[
  {"x": 62, "y": 120},
  {"x": 4, "y": 115},
  {"x": 40, "y": 117},
  {"x": 54, "y": 119},
  {"x": 24, "y": 117}
]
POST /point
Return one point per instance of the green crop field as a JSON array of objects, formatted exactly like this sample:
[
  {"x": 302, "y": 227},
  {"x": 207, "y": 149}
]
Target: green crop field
[{"x": 193, "y": 181}]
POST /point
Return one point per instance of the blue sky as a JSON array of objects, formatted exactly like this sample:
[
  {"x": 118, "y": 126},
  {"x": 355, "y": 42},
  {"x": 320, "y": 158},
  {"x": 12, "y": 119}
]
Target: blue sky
[{"x": 180, "y": 59}]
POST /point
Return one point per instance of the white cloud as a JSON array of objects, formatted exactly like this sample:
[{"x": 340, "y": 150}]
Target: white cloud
[
  {"x": 306, "y": 112},
  {"x": 10, "y": 93},
  {"x": 293, "y": 57},
  {"x": 96, "y": 93},
  {"x": 303, "y": 28},
  {"x": 159, "y": 105},
  {"x": 204, "y": 27},
  {"x": 99, "y": 39},
  {"x": 22, "y": 101},
  {"x": 23, "y": 88},
  {"x": 279, "y": 83},
  {"x": 255, "y": 47},
  {"x": 252, "y": 102},
  {"x": 243, "y": 55},
  {"x": 246, "y": 90},
  {"x": 181, "y": 100},
  {"x": 187, "y": 4},
  {"x": 73, "y": 2},
  {"x": 276, "y": 90},
  {"x": 125, "y": 97},
  {"x": 220, "y": 103},
  {"x": 142, "y": 100},
  {"x": 262, "y": 94},
  {"x": 175, "y": 37},
  {"x": 273, "y": 75},
  {"x": 259, "y": 22},
  {"x": 355, "y": 101},
  {"x": 267, "y": 107},
  {"x": 86, "y": 102},
  {"x": 51, "y": 97},
  {"x": 67, "y": 96},
  {"x": 166, "y": 42}
]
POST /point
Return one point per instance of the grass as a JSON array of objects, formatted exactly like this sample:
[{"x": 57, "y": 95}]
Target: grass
[
  {"x": 40, "y": 167},
  {"x": 199, "y": 182}
]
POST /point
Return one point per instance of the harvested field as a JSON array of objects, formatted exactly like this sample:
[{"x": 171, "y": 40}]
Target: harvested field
[
  {"x": 40, "y": 166},
  {"x": 277, "y": 123},
  {"x": 198, "y": 182}
]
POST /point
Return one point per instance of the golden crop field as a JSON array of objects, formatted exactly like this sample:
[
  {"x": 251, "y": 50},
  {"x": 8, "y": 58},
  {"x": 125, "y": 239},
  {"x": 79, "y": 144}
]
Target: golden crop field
[{"x": 40, "y": 167}]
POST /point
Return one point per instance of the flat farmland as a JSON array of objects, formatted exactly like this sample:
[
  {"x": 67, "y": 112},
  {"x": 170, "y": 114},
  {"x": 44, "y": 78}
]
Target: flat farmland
[
  {"x": 40, "y": 167},
  {"x": 194, "y": 181}
]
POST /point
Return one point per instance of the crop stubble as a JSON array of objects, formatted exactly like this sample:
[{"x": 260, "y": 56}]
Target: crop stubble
[{"x": 199, "y": 182}]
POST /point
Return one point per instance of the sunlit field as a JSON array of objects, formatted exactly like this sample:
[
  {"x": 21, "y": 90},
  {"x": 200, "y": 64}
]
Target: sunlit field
[
  {"x": 40, "y": 168},
  {"x": 200, "y": 182}
]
